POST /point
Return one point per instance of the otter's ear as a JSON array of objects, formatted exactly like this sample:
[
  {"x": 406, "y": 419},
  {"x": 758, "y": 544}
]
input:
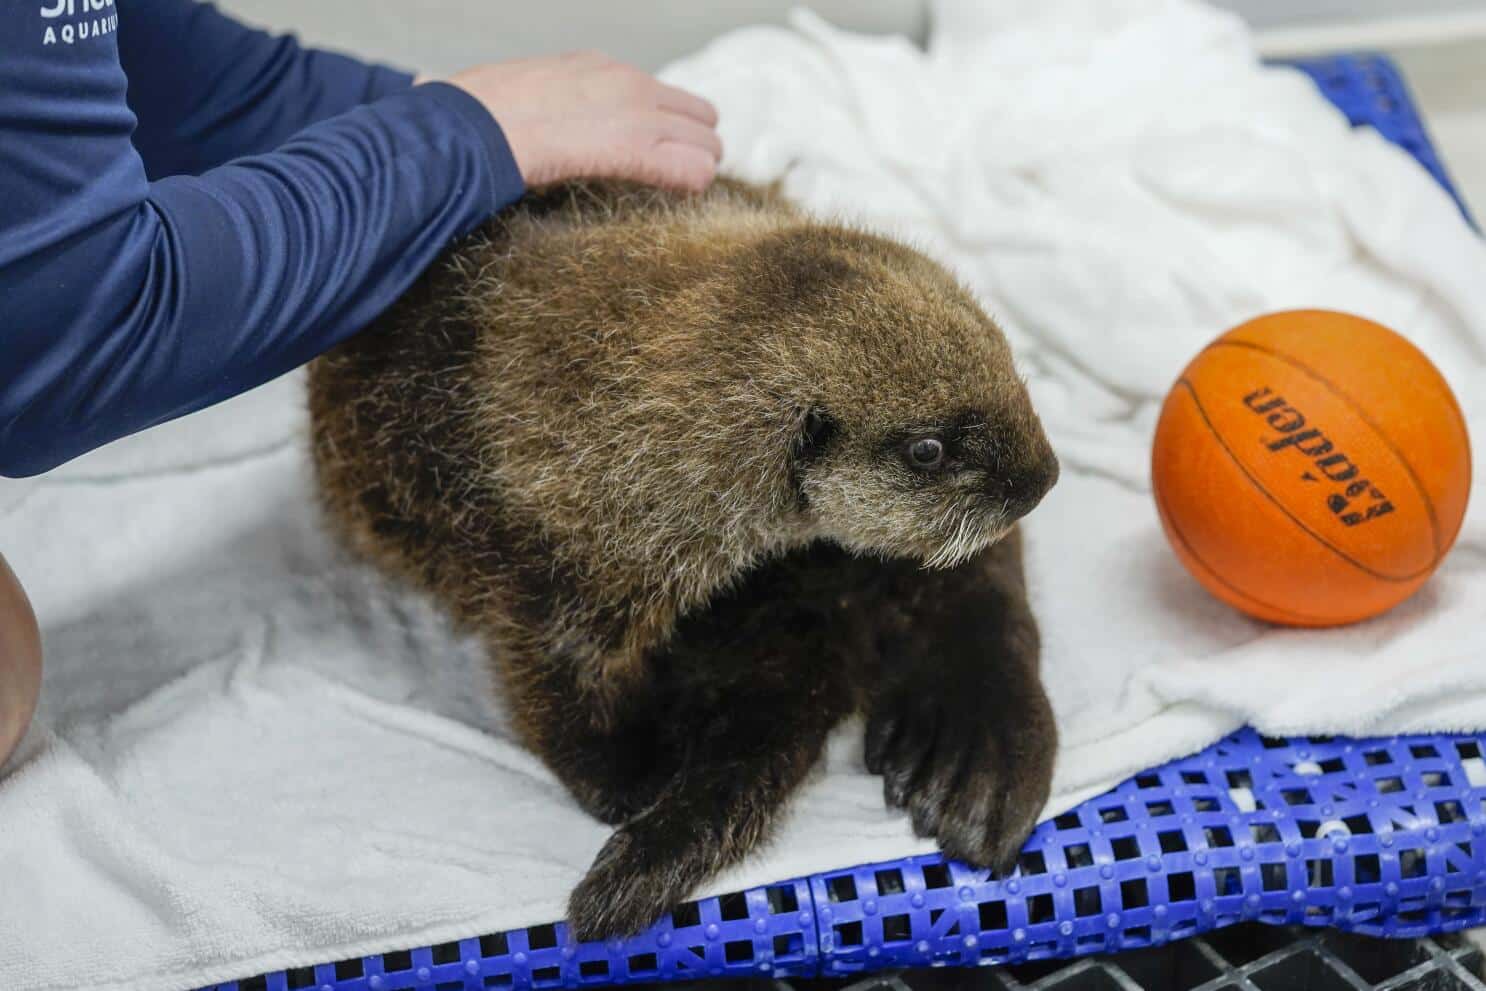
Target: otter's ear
[{"x": 815, "y": 430}]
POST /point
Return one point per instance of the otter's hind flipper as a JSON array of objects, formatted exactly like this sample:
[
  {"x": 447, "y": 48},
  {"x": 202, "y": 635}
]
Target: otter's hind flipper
[
  {"x": 723, "y": 806},
  {"x": 755, "y": 684}
]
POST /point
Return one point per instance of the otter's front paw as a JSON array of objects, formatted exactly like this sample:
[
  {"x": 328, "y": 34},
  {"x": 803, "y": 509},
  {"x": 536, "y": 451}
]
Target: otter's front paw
[{"x": 973, "y": 773}]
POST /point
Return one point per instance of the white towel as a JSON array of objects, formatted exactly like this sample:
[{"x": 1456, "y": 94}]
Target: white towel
[{"x": 252, "y": 754}]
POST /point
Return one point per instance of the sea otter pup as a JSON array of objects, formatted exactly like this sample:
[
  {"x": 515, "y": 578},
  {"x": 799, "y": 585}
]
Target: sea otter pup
[{"x": 709, "y": 476}]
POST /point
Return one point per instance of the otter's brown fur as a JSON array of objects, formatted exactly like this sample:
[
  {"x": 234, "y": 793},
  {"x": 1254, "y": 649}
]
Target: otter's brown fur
[{"x": 653, "y": 449}]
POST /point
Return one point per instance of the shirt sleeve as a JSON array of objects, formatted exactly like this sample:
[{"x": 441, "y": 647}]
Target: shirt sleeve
[
  {"x": 128, "y": 302},
  {"x": 207, "y": 89}
]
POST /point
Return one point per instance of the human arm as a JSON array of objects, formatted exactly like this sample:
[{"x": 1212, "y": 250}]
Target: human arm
[
  {"x": 207, "y": 89},
  {"x": 129, "y": 302}
]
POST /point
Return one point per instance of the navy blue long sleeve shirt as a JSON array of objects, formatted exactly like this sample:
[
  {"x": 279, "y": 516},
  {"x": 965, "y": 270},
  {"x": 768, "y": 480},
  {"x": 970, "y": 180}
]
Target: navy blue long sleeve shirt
[{"x": 189, "y": 208}]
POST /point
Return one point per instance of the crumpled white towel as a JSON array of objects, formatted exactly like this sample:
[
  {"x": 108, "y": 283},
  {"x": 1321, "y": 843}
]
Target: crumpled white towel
[
  {"x": 1121, "y": 182},
  {"x": 252, "y": 754}
]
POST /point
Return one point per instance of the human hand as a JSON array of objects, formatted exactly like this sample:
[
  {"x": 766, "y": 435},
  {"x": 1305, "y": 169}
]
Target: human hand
[{"x": 585, "y": 115}]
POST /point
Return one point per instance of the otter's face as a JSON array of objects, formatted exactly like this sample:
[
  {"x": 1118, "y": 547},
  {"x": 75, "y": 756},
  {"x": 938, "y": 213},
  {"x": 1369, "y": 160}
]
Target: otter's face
[
  {"x": 914, "y": 436},
  {"x": 939, "y": 489}
]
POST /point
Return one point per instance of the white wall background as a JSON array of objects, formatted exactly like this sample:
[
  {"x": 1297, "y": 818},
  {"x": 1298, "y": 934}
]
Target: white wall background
[
  {"x": 446, "y": 35},
  {"x": 1441, "y": 43},
  {"x": 1289, "y": 13}
]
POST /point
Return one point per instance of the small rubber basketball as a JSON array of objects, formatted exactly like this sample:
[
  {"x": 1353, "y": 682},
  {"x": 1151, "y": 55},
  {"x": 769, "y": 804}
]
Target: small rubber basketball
[{"x": 1311, "y": 468}]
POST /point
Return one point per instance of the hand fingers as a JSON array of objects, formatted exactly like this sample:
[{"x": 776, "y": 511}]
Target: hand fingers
[
  {"x": 684, "y": 130},
  {"x": 679, "y": 166},
  {"x": 663, "y": 150},
  {"x": 679, "y": 101}
]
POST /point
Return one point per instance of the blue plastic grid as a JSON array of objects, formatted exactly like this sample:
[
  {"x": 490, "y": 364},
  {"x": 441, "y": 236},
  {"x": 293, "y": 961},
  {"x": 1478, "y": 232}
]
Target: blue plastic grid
[
  {"x": 1370, "y": 90},
  {"x": 764, "y": 930},
  {"x": 1382, "y": 837}
]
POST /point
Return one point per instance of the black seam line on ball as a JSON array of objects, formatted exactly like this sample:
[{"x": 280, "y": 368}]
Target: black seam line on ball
[
  {"x": 1186, "y": 384},
  {"x": 1176, "y": 531},
  {"x": 1434, "y": 523}
]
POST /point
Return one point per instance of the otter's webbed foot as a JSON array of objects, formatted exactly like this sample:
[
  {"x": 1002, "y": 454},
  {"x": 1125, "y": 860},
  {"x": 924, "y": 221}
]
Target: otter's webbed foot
[
  {"x": 616, "y": 778},
  {"x": 722, "y": 805},
  {"x": 614, "y": 764},
  {"x": 755, "y": 694},
  {"x": 647, "y": 867}
]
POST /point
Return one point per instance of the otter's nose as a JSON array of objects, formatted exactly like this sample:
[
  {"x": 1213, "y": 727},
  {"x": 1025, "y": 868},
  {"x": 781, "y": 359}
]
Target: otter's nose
[{"x": 1022, "y": 490}]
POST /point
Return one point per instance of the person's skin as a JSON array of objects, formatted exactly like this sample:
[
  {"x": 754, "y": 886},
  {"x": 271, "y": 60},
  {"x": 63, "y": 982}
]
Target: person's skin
[
  {"x": 586, "y": 115},
  {"x": 20, "y": 661},
  {"x": 581, "y": 115}
]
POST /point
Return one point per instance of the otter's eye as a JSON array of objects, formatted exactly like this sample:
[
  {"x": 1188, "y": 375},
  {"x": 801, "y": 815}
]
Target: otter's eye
[{"x": 926, "y": 452}]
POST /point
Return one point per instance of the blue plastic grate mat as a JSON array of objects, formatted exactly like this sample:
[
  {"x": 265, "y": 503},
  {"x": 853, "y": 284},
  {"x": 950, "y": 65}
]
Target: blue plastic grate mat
[
  {"x": 1240, "y": 958},
  {"x": 1382, "y": 837},
  {"x": 1369, "y": 89}
]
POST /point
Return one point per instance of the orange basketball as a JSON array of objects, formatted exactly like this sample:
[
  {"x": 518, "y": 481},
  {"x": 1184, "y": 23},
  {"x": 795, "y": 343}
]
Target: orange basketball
[{"x": 1311, "y": 468}]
